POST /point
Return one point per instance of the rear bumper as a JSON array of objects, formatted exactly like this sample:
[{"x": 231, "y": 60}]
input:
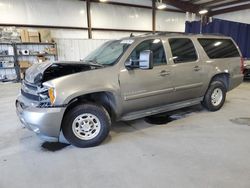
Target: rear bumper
[
  {"x": 235, "y": 81},
  {"x": 45, "y": 122}
]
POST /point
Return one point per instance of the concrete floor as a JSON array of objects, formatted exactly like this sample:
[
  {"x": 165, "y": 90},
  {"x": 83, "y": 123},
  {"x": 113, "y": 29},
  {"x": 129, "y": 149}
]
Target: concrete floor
[{"x": 200, "y": 149}]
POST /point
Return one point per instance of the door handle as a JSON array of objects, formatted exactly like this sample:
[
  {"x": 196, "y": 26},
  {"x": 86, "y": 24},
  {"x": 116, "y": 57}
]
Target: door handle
[
  {"x": 164, "y": 73},
  {"x": 197, "y": 68}
]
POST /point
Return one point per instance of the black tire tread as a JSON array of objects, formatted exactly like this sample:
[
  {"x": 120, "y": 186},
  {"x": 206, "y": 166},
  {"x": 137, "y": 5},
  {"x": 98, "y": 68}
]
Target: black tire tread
[
  {"x": 207, "y": 98},
  {"x": 97, "y": 110}
]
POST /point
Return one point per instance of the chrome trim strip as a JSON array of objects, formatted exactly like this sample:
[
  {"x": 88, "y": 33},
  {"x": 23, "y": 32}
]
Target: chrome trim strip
[{"x": 148, "y": 94}]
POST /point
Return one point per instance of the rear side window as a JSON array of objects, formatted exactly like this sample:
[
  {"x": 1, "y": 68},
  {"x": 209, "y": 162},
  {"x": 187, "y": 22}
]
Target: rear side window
[
  {"x": 183, "y": 50},
  {"x": 219, "y": 48}
]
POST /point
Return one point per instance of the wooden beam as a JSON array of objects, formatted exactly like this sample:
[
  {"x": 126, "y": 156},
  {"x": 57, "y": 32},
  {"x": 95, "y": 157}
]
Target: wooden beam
[
  {"x": 89, "y": 19},
  {"x": 231, "y": 9},
  {"x": 153, "y": 15}
]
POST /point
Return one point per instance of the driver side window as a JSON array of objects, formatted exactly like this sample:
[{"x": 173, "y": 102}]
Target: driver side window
[{"x": 155, "y": 45}]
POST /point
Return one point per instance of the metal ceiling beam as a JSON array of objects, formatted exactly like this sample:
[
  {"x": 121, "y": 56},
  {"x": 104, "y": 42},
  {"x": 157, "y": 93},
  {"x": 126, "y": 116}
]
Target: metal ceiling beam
[
  {"x": 231, "y": 9},
  {"x": 204, "y": 5},
  {"x": 228, "y": 4},
  {"x": 194, "y": 1},
  {"x": 183, "y": 5}
]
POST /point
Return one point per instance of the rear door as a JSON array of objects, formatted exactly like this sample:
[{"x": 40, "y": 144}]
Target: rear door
[{"x": 188, "y": 73}]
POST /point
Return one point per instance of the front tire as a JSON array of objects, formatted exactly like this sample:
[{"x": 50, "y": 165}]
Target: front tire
[
  {"x": 86, "y": 125},
  {"x": 215, "y": 96}
]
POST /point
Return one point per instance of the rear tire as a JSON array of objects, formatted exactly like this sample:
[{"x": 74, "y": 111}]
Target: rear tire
[
  {"x": 215, "y": 96},
  {"x": 86, "y": 125}
]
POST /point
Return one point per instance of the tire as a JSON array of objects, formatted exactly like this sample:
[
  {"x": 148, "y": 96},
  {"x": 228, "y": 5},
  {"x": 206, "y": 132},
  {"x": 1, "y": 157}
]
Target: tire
[
  {"x": 86, "y": 125},
  {"x": 211, "y": 101}
]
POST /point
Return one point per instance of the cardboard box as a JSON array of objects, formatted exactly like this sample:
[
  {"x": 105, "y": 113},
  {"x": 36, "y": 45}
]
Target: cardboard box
[
  {"x": 45, "y": 35},
  {"x": 34, "y": 36},
  {"x": 41, "y": 59},
  {"x": 24, "y": 35},
  {"x": 24, "y": 64}
]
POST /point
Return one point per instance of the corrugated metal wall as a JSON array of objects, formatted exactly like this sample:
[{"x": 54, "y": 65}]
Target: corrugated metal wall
[{"x": 76, "y": 49}]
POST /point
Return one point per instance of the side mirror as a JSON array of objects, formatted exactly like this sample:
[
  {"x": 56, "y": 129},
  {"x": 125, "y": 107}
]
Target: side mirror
[
  {"x": 146, "y": 59},
  {"x": 144, "y": 62}
]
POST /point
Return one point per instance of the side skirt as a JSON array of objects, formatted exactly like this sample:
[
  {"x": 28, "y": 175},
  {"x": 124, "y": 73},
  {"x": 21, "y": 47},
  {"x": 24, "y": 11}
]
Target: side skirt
[{"x": 161, "y": 109}]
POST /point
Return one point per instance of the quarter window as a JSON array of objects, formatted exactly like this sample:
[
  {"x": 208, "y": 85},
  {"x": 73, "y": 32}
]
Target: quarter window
[
  {"x": 219, "y": 48},
  {"x": 155, "y": 45},
  {"x": 183, "y": 50}
]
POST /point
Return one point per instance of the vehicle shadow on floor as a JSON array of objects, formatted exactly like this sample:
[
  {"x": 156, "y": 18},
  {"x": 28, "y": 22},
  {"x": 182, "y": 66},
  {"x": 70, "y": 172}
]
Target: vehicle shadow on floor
[
  {"x": 161, "y": 119},
  {"x": 125, "y": 127}
]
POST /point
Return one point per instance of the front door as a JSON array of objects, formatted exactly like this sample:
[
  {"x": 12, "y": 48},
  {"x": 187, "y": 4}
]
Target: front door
[{"x": 143, "y": 89}]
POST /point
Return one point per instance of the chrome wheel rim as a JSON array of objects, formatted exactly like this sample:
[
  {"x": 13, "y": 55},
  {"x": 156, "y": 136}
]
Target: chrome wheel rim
[
  {"x": 217, "y": 97},
  {"x": 86, "y": 126}
]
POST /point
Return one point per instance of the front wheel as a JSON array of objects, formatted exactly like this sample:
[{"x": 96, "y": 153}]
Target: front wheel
[
  {"x": 215, "y": 96},
  {"x": 86, "y": 125}
]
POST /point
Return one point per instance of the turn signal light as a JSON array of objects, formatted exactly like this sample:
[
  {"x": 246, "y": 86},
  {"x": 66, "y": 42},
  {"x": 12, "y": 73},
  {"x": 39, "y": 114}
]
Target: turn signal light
[{"x": 51, "y": 95}]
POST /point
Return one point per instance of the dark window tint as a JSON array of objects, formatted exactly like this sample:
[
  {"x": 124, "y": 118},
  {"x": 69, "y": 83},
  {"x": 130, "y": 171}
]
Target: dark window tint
[
  {"x": 155, "y": 45},
  {"x": 219, "y": 48},
  {"x": 182, "y": 50}
]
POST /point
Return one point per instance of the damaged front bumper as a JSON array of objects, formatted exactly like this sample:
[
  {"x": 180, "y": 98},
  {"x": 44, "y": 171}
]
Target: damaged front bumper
[{"x": 45, "y": 122}]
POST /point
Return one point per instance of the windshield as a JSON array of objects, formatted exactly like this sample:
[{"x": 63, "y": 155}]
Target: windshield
[{"x": 108, "y": 53}]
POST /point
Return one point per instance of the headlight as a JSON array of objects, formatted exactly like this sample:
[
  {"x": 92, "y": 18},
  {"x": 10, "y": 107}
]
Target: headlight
[
  {"x": 51, "y": 92},
  {"x": 47, "y": 94}
]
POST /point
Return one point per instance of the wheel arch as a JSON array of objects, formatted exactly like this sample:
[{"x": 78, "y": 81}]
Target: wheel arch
[
  {"x": 222, "y": 77},
  {"x": 105, "y": 99}
]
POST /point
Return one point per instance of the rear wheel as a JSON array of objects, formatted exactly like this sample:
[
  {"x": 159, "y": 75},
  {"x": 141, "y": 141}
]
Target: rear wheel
[
  {"x": 215, "y": 96},
  {"x": 86, "y": 125}
]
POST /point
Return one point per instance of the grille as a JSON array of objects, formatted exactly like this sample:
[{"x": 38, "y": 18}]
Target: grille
[
  {"x": 30, "y": 86},
  {"x": 30, "y": 96}
]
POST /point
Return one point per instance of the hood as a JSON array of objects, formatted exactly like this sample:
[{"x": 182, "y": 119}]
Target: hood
[{"x": 42, "y": 72}]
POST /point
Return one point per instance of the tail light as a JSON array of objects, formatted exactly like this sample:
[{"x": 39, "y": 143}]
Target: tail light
[{"x": 242, "y": 65}]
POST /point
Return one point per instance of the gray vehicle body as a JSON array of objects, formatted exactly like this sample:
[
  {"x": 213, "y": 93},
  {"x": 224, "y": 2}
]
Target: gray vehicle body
[{"x": 128, "y": 93}]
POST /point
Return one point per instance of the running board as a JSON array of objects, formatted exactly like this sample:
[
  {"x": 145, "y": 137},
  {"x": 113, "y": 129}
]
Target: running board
[{"x": 161, "y": 109}]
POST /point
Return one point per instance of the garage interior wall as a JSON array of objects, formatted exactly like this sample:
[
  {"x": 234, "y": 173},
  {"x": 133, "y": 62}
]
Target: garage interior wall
[
  {"x": 74, "y": 44},
  {"x": 242, "y": 16}
]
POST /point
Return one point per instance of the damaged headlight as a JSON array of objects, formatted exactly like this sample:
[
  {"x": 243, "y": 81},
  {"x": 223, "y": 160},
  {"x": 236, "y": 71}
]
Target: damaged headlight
[{"x": 47, "y": 94}]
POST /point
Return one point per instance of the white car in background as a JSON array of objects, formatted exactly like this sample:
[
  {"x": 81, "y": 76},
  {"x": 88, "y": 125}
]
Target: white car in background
[{"x": 247, "y": 69}]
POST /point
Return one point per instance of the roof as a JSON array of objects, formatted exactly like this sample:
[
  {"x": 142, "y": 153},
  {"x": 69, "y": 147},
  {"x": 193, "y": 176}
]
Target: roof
[{"x": 176, "y": 34}]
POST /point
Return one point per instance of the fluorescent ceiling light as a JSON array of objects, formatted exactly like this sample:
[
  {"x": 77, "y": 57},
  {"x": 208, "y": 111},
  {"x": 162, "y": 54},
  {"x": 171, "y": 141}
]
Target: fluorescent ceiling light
[
  {"x": 203, "y": 11},
  {"x": 160, "y": 5},
  {"x": 103, "y": 0}
]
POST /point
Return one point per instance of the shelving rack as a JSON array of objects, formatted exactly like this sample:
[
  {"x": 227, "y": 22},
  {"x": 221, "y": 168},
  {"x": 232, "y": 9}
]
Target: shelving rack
[
  {"x": 35, "y": 51},
  {"x": 4, "y": 71}
]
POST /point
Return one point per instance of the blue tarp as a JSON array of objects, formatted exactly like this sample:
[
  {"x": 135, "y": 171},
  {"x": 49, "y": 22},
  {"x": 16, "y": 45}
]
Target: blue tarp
[{"x": 240, "y": 32}]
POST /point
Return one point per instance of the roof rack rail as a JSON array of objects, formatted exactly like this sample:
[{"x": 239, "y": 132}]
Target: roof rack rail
[
  {"x": 215, "y": 34},
  {"x": 161, "y": 33}
]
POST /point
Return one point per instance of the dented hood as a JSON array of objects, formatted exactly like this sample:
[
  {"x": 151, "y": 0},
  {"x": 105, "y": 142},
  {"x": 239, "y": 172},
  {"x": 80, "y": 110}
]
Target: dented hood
[
  {"x": 36, "y": 69},
  {"x": 42, "y": 72}
]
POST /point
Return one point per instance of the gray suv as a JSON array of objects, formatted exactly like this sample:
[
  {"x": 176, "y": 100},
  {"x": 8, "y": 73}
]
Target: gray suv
[{"x": 124, "y": 80}]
